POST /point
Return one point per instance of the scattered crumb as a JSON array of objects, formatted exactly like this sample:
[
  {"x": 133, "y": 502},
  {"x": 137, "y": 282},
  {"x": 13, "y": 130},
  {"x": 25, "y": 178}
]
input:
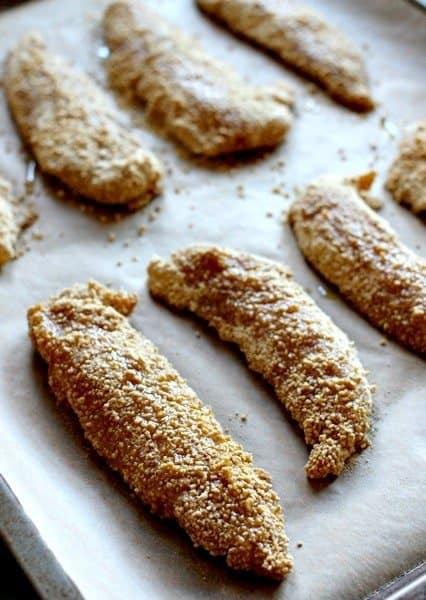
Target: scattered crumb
[
  {"x": 241, "y": 191},
  {"x": 135, "y": 259},
  {"x": 299, "y": 544},
  {"x": 36, "y": 235},
  {"x": 118, "y": 264},
  {"x": 243, "y": 418},
  {"x": 141, "y": 230},
  {"x": 197, "y": 334},
  {"x": 341, "y": 152},
  {"x": 112, "y": 236},
  {"x": 364, "y": 182},
  {"x": 269, "y": 215},
  {"x": 372, "y": 201},
  {"x": 383, "y": 342},
  {"x": 29, "y": 218}
]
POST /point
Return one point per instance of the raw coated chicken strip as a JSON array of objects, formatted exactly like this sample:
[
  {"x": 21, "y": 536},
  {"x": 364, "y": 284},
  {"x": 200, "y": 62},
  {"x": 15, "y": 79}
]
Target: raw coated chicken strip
[
  {"x": 197, "y": 100},
  {"x": 284, "y": 335},
  {"x": 141, "y": 416},
  {"x": 70, "y": 127}
]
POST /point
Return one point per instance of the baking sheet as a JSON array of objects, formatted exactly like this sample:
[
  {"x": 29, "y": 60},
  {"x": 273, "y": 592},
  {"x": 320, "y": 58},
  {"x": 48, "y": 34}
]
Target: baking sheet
[{"x": 358, "y": 531}]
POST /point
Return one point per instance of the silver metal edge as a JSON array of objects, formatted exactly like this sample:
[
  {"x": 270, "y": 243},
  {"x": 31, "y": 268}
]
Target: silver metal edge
[{"x": 27, "y": 546}]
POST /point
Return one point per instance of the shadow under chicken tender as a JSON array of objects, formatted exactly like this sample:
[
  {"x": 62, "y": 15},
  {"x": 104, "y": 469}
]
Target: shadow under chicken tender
[
  {"x": 197, "y": 100},
  {"x": 8, "y": 226},
  {"x": 356, "y": 250},
  {"x": 284, "y": 335},
  {"x": 303, "y": 40},
  {"x": 141, "y": 416},
  {"x": 69, "y": 125},
  {"x": 407, "y": 176}
]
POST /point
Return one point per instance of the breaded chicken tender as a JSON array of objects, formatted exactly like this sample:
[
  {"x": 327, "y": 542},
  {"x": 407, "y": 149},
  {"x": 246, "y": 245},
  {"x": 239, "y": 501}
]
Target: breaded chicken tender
[
  {"x": 407, "y": 176},
  {"x": 197, "y": 100},
  {"x": 356, "y": 250},
  {"x": 8, "y": 226},
  {"x": 303, "y": 40},
  {"x": 311, "y": 364},
  {"x": 69, "y": 125},
  {"x": 141, "y": 416}
]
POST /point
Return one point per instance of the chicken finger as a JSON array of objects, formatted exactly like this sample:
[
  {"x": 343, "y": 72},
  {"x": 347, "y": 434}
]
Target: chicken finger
[
  {"x": 407, "y": 176},
  {"x": 303, "y": 40},
  {"x": 72, "y": 130},
  {"x": 8, "y": 227},
  {"x": 199, "y": 101},
  {"x": 356, "y": 250},
  {"x": 147, "y": 423},
  {"x": 310, "y": 363}
]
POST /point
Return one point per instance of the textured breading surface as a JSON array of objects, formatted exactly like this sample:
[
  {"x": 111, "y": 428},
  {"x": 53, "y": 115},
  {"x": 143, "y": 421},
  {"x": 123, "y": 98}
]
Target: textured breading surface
[
  {"x": 303, "y": 40},
  {"x": 357, "y": 251},
  {"x": 407, "y": 176},
  {"x": 151, "y": 427},
  {"x": 8, "y": 227},
  {"x": 70, "y": 127},
  {"x": 198, "y": 101},
  {"x": 311, "y": 364}
]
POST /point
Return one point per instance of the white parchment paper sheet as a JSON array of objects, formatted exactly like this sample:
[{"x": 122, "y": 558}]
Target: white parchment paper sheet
[{"x": 357, "y": 531}]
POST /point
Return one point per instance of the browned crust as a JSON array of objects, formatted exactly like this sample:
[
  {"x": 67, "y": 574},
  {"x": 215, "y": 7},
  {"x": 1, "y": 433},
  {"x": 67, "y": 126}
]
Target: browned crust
[
  {"x": 407, "y": 176},
  {"x": 356, "y": 250},
  {"x": 311, "y": 364},
  {"x": 303, "y": 40},
  {"x": 69, "y": 125},
  {"x": 197, "y": 100},
  {"x": 149, "y": 425}
]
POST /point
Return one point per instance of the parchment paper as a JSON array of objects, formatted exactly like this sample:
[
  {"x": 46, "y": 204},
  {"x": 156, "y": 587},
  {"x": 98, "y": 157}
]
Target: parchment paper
[{"x": 357, "y": 531}]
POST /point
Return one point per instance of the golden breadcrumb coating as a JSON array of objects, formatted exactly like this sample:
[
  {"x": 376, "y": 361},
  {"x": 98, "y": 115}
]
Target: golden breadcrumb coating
[
  {"x": 149, "y": 425},
  {"x": 8, "y": 227},
  {"x": 356, "y": 250},
  {"x": 407, "y": 176},
  {"x": 303, "y": 40},
  {"x": 71, "y": 128},
  {"x": 311, "y": 364},
  {"x": 198, "y": 101}
]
